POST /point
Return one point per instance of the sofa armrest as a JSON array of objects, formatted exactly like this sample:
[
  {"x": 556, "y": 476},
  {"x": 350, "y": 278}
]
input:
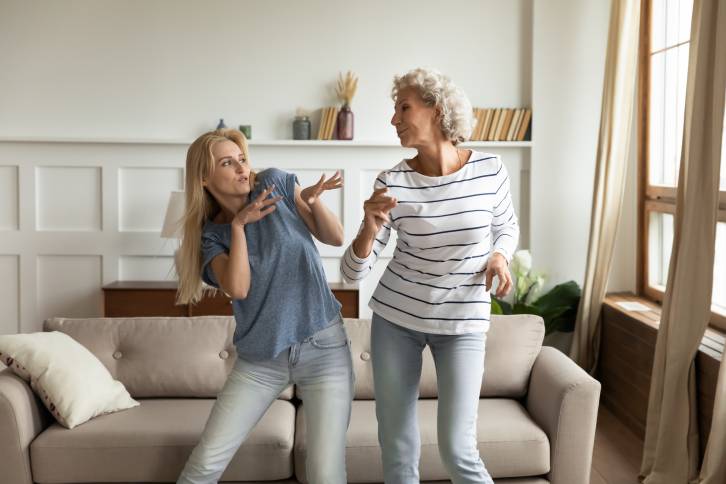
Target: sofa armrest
[
  {"x": 22, "y": 418},
  {"x": 563, "y": 399}
]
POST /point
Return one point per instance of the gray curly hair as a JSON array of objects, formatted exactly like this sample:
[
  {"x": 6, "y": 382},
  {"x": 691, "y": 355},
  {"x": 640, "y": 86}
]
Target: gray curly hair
[{"x": 437, "y": 90}]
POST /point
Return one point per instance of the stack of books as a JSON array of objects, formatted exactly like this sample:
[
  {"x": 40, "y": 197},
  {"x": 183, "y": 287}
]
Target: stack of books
[
  {"x": 328, "y": 117},
  {"x": 502, "y": 124}
]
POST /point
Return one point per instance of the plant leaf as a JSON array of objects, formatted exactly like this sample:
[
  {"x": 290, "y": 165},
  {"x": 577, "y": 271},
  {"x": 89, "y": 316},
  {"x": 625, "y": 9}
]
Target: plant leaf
[{"x": 501, "y": 305}]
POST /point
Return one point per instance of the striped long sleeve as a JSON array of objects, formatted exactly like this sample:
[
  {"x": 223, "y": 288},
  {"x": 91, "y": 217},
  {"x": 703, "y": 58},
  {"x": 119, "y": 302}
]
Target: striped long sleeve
[
  {"x": 353, "y": 267},
  {"x": 505, "y": 225}
]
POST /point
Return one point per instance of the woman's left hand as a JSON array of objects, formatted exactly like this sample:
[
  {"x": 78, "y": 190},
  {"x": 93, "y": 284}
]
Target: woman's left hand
[
  {"x": 497, "y": 266},
  {"x": 311, "y": 194}
]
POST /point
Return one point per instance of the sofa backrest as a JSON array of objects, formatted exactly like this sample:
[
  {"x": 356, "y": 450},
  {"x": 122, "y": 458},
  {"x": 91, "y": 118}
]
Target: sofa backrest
[
  {"x": 191, "y": 357},
  {"x": 513, "y": 343},
  {"x": 159, "y": 356}
]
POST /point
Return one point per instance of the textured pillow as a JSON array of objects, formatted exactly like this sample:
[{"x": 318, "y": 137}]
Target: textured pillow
[{"x": 72, "y": 383}]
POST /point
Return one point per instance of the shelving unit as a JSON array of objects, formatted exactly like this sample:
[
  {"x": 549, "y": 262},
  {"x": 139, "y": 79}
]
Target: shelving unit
[{"x": 254, "y": 142}]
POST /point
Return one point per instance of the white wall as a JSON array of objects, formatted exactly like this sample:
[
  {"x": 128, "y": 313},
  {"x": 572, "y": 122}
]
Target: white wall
[
  {"x": 170, "y": 69},
  {"x": 570, "y": 38}
]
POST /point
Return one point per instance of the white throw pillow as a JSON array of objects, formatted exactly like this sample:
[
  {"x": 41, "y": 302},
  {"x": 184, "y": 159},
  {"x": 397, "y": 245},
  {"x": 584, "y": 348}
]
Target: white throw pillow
[{"x": 69, "y": 379}]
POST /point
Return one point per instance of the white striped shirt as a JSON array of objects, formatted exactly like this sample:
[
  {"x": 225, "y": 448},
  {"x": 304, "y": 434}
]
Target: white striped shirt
[{"x": 447, "y": 227}]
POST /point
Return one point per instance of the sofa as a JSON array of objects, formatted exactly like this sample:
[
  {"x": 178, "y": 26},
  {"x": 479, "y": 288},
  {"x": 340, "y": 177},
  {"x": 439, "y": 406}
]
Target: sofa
[{"x": 536, "y": 423}]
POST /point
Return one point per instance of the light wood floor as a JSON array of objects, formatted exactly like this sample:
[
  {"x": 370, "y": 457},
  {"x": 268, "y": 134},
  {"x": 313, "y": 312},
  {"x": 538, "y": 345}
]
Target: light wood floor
[{"x": 617, "y": 453}]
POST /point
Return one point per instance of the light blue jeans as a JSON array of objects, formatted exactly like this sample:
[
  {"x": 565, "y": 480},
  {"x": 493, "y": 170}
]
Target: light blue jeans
[
  {"x": 397, "y": 357},
  {"x": 322, "y": 369}
]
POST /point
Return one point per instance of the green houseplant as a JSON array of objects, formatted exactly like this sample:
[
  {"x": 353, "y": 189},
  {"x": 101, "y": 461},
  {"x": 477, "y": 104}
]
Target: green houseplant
[{"x": 558, "y": 307}]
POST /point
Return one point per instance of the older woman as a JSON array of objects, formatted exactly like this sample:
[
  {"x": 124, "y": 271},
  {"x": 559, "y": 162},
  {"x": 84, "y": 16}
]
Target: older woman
[{"x": 457, "y": 230}]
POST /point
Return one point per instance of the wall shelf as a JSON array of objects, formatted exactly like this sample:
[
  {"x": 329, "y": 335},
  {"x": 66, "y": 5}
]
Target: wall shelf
[{"x": 254, "y": 142}]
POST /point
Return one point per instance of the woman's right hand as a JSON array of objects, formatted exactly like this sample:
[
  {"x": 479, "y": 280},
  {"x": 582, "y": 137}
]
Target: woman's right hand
[
  {"x": 376, "y": 210},
  {"x": 258, "y": 208}
]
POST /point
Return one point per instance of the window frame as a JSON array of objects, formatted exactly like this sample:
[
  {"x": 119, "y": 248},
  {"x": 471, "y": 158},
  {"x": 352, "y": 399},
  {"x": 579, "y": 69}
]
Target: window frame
[{"x": 655, "y": 198}]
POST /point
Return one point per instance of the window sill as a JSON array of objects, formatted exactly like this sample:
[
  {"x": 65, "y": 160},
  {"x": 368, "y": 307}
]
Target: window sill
[{"x": 712, "y": 344}]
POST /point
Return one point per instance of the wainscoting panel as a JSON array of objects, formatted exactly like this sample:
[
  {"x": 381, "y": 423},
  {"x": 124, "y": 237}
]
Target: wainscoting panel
[
  {"x": 68, "y": 198},
  {"x": 9, "y": 198},
  {"x": 9, "y": 294}
]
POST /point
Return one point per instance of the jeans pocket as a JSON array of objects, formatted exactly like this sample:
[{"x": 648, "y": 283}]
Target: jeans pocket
[{"x": 331, "y": 337}]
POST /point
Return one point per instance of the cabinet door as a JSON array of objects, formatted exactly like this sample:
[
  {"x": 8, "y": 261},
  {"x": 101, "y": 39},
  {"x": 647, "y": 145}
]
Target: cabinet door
[
  {"x": 216, "y": 305},
  {"x": 349, "y": 300},
  {"x": 143, "y": 302}
]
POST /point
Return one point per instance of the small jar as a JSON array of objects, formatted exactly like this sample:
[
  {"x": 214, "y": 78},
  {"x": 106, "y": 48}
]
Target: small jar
[
  {"x": 246, "y": 130},
  {"x": 301, "y": 127}
]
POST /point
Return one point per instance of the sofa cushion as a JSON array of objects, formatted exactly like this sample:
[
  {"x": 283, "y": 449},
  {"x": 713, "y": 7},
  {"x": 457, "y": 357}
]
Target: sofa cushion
[
  {"x": 69, "y": 380},
  {"x": 513, "y": 343},
  {"x": 510, "y": 443},
  {"x": 152, "y": 442},
  {"x": 159, "y": 356}
]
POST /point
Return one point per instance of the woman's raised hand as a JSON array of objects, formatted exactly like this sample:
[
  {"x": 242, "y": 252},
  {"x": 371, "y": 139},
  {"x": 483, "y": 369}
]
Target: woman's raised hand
[
  {"x": 376, "y": 210},
  {"x": 258, "y": 208},
  {"x": 312, "y": 193}
]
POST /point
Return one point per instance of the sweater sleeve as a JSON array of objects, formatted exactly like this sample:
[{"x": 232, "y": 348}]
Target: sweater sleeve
[
  {"x": 355, "y": 268},
  {"x": 505, "y": 226}
]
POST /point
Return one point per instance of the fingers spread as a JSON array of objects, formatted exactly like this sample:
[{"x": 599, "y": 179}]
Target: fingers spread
[
  {"x": 336, "y": 178},
  {"x": 270, "y": 201},
  {"x": 267, "y": 211},
  {"x": 264, "y": 193}
]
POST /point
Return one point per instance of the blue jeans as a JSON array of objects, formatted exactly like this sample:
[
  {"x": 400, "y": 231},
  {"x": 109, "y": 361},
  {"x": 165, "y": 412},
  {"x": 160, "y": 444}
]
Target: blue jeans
[
  {"x": 322, "y": 369},
  {"x": 397, "y": 357}
]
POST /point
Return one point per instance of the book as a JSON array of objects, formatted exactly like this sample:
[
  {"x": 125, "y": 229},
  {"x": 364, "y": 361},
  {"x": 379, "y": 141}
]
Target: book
[
  {"x": 477, "y": 125},
  {"x": 515, "y": 124},
  {"x": 488, "y": 114},
  {"x": 481, "y": 117},
  {"x": 500, "y": 124},
  {"x": 523, "y": 128},
  {"x": 321, "y": 126},
  {"x": 493, "y": 126},
  {"x": 328, "y": 113},
  {"x": 505, "y": 125},
  {"x": 328, "y": 118}
]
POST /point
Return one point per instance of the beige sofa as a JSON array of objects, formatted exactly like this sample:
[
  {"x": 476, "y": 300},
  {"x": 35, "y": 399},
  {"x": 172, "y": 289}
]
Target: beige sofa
[{"x": 536, "y": 421}]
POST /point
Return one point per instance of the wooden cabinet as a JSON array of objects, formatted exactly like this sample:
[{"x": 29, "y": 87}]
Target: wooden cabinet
[{"x": 156, "y": 298}]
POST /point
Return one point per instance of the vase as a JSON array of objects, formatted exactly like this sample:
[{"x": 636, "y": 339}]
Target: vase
[
  {"x": 246, "y": 130},
  {"x": 301, "y": 128},
  {"x": 344, "y": 124}
]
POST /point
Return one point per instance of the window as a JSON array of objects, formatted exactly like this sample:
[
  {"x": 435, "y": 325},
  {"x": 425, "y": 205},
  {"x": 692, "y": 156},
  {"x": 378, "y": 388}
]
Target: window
[{"x": 665, "y": 42}]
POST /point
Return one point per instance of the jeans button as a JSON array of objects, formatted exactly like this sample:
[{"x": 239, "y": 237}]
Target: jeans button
[{"x": 365, "y": 356}]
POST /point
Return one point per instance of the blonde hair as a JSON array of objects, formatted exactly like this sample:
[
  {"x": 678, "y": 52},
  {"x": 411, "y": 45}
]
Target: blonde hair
[
  {"x": 437, "y": 90},
  {"x": 200, "y": 207}
]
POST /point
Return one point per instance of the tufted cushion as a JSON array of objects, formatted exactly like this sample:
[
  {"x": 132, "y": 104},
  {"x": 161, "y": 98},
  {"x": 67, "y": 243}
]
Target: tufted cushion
[
  {"x": 159, "y": 356},
  {"x": 151, "y": 443},
  {"x": 513, "y": 343},
  {"x": 509, "y": 441}
]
